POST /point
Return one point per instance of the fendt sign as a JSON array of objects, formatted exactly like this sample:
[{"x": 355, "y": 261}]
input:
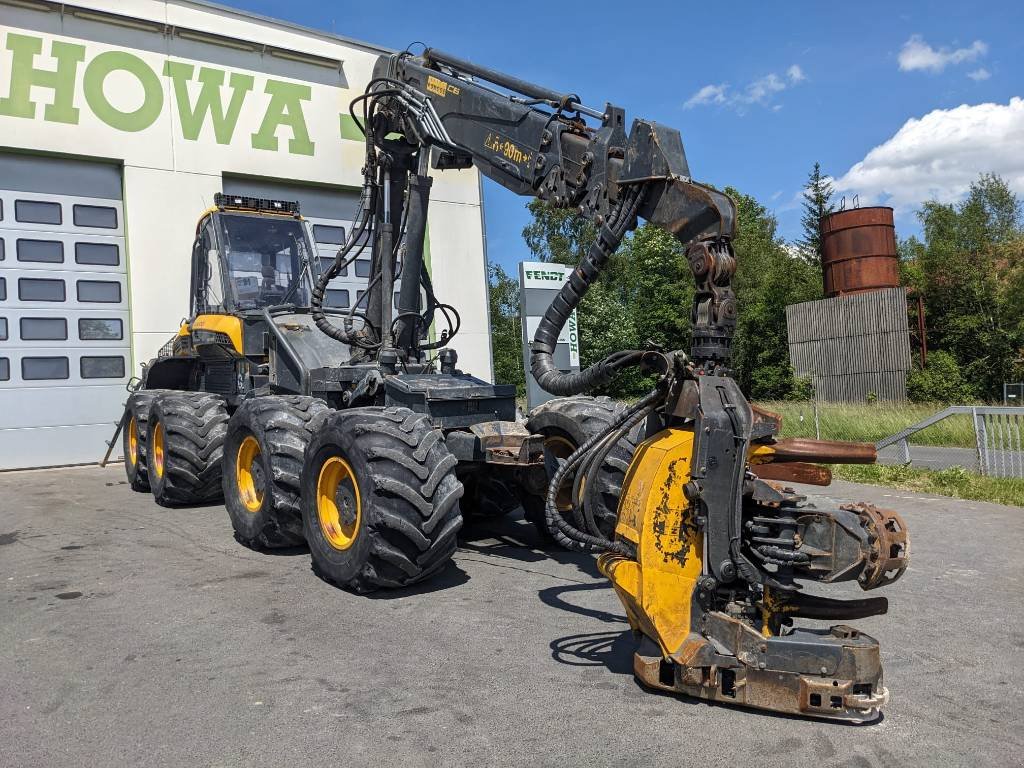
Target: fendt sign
[{"x": 55, "y": 79}]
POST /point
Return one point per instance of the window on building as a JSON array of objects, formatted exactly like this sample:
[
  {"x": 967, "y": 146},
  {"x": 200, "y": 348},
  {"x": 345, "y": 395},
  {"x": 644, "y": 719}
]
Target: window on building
[
  {"x": 44, "y": 368},
  {"x": 45, "y": 251},
  {"x": 2, "y": 254},
  {"x": 362, "y": 267},
  {"x": 100, "y": 329},
  {"x": 328, "y": 235},
  {"x": 37, "y": 212},
  {"x": 3, "y": 329},
  {"x": 101, "y": 216},
  {"x": 3, "y": 288},
  {"x": 325, "y": 264},
  {"x": 40, "y": 289},
  {"x": 102, "y": 291},
  {"x": 5, "y": 369},
  {"x": 104, "y": 254},
  {"x": 102, "y": 367},
  {"x": 44, "y": 329},
  {"x": 337, "y": 298}
]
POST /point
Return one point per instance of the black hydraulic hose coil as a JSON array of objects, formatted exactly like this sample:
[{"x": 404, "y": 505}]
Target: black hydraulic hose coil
[
  {"x": 542, "y": 361},
  {"x": 564, "y": 532}
]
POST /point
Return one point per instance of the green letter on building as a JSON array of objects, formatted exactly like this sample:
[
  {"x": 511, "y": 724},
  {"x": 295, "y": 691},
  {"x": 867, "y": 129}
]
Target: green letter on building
[
  {"x": 208, "y": 101},
  {"x": 152, "y": 102},
  {"x": 285, "y": 108},
  {"x": 18, "y": 102}
]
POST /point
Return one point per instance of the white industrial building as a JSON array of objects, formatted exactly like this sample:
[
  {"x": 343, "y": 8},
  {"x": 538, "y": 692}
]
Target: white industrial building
[{"x": 119, "y": 121}]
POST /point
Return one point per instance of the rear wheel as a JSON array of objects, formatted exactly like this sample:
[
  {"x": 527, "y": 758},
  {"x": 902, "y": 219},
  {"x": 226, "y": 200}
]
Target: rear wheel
[
  {"x": 185, "y": 443},
  {"x": 380, "y": 499},
  {"x": 567, "y": 423},
  {"x": 134, "y": 434},
  {"x": 263, "y": 451}
]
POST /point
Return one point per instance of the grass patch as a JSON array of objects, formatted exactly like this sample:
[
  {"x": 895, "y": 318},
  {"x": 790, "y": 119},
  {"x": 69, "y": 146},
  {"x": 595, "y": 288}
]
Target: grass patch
[
  {"x": 869, "y": 423},
  {"x": 953, "y": 481}
]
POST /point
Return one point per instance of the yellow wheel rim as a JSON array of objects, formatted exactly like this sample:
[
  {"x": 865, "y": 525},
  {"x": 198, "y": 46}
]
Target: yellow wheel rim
[
  {"x": 249, "y": 474},
  {"x": 133, "y": 442},
  {"x": 337, "y": 503},
  {"x": 561, "y": 448},
  {"x": 158, "y": 448}
]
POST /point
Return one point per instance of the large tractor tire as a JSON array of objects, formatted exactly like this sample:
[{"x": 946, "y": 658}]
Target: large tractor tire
[
  {"x": 567, "y": 423},
  {"x": 185, "y": 443},
  {"x": 380, "y": 499},
  {"x": 134, "y": 434},
  {"x": 266, "y": 440}
]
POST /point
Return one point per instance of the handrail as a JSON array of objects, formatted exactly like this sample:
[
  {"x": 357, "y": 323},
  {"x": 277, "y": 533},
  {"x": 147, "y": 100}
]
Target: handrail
[{"x": 983, "y": 410}]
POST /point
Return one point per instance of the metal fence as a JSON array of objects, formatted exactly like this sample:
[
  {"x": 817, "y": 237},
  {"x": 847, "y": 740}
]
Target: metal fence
[
  {"x": 983, "y": 439},
  {"x": 998, "y": 434}
]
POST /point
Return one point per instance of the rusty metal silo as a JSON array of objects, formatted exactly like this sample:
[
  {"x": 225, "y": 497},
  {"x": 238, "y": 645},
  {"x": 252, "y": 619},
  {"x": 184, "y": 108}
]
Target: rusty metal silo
[{"x": 858, "y": 251}]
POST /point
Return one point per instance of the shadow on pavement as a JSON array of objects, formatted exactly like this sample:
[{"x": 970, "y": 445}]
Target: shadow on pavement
[
  {"x": 612, "y": 650},
  {"x": 513, "y": 538}
]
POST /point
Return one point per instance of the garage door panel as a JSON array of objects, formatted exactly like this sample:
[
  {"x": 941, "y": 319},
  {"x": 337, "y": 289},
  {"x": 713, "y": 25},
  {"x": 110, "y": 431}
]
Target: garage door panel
[
  {"x": 54, "y": 446},
  {"x": 31, "y": 249},
  {"x": 56, "y": 213},
  {"x": 28, "y": 407},
  {"x": 65, "y": 342},
  {"x": 63, "y": 288}
]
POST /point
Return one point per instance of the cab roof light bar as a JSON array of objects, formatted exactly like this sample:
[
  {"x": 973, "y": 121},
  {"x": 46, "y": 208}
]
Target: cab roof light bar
[{"x": 257, "y": 204}]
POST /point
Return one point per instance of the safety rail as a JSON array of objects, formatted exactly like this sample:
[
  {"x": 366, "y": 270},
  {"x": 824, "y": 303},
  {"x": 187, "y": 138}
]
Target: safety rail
[{"x": 998, "y": 433}]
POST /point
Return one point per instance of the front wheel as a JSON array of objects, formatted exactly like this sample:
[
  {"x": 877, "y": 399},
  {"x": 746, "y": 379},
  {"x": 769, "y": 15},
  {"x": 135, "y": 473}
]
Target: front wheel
[
  {"x": 380, "y": 499},
  {"x": 266, "y": 440}
]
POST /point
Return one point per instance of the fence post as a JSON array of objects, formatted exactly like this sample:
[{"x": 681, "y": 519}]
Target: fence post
[
  {"x": 817, "y": 425},
  {"x": 979, "y": 438}
]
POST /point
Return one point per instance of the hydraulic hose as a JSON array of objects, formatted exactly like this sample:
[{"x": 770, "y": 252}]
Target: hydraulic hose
[
  {"x": 564, "y": 532},
  {"x": 542, "y": 361}
]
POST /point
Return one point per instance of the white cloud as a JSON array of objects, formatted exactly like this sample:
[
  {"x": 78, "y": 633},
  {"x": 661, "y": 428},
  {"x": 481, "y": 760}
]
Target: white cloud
[
  {"x": 917, "y": 54},
  {"x": 979, "y": 74},
  {"x": 709, "y": 94},
  {"x": 761, "y": 91},
  {"x": 938, "y": 156}
]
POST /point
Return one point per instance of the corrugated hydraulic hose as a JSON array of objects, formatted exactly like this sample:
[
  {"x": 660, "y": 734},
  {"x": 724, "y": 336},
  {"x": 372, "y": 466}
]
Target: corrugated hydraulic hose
[{"x": 542, "y": 361}]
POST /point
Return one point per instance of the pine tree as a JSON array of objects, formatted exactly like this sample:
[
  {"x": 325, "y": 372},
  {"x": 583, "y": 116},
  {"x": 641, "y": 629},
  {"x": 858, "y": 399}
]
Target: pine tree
[{"x": 817, "y": 203}]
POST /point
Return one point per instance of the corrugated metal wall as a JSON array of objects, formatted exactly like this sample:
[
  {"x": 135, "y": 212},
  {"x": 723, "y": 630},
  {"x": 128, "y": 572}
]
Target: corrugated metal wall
[{"x": 851, "y": 346}]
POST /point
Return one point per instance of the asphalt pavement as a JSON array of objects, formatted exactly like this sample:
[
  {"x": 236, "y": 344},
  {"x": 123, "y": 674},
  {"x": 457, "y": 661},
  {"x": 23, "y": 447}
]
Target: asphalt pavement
[{"x": 132, "y": 635}]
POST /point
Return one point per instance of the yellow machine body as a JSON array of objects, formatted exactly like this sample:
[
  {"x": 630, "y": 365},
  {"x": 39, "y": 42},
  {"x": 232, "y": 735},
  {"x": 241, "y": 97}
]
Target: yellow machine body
[
  {"x": 657, "y": 588},
  {"x": 223, "y": 326}
]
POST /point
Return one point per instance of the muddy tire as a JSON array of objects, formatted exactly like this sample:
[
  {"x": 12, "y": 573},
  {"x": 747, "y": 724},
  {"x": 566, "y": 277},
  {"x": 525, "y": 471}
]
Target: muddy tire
[
  {"x": 567, "y": 423},
  {"x": 380, "y": 499},
  {"x": 133, "y": 437},
  {"x": 263, "y": 451},
  {"x": 184, "y": 446}
]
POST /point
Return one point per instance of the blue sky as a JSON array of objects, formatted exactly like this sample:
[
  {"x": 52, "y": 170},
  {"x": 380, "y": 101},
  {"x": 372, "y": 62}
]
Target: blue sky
[{"x": 899, "y": 102}]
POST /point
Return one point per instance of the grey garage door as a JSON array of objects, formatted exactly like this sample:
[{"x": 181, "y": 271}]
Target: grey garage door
[
  {"x": 65, "y": 349},
  {"x": 329, "y": 213}
]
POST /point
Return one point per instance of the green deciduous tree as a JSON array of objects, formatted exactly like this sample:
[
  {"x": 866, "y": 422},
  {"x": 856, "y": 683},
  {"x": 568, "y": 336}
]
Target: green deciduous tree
[
  {"x": 969, "y": 268},
  {"x": 503, "y": 293},
  {"x": 769, "y": 276}
]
